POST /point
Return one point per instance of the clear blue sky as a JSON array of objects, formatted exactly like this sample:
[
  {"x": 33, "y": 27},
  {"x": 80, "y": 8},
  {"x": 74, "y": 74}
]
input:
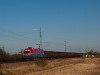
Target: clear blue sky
[{"x": 76, "y": 21}]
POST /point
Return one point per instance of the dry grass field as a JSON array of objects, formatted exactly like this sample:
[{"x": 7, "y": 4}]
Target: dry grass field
[{"x": 68, "y": 66}]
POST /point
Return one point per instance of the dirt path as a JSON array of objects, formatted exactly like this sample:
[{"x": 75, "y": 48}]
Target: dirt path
[{"x": 92, "y": 67}]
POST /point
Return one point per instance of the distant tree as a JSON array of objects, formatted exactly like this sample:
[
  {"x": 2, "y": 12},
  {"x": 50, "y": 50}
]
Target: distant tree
[
  {"x": 21, "y": 51},
  {"x": 2, "y": 51},
  {"x": 3, "y": 54},
  {"x": 92, "y": 52}
]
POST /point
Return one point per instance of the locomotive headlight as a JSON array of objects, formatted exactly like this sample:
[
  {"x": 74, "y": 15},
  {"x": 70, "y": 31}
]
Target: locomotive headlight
[{"x": 27, "y": 51}]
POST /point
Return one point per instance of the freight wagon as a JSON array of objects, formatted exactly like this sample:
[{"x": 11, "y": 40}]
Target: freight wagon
[{"x": 54, "y": 54}]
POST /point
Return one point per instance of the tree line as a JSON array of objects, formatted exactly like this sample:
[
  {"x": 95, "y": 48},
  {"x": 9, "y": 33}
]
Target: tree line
[{"x": 5, "y": 56}]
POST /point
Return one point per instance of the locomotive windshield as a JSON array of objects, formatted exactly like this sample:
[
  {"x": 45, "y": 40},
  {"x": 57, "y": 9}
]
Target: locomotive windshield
[{"x": 27, "y": 51}]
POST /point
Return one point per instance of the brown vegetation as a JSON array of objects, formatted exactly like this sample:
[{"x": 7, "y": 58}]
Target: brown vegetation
[{"x": 54, "y": 67}]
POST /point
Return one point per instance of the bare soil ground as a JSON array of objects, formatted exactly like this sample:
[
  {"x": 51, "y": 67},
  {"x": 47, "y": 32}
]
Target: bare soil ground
[{"x": 68, "y": 66}]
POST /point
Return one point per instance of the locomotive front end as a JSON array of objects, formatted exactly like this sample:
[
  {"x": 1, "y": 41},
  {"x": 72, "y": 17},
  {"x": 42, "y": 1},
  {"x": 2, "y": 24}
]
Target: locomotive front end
[
  {"x": 33, "y": 53},
  {"x": 27, "y": 53}
]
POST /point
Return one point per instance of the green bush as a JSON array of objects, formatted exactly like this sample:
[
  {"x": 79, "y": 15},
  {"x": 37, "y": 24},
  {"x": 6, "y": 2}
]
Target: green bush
[{"x": 41, "y": 62}]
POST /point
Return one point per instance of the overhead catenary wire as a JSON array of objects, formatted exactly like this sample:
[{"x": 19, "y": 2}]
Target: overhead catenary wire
[
  {"x": 9, "y": 33},
  {"x": 10, "y": 37}
]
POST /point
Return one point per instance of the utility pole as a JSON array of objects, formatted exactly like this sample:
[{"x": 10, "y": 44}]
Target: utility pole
[
  {"x": 45, "y": 45},
  {"x": 40, "y": 45},
  {"x": 40, "y": 38},
  {"x": 65, "y": 46}
]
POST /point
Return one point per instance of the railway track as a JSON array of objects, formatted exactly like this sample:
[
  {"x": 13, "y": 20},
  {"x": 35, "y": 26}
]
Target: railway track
[{"x": 36, "y": 59}]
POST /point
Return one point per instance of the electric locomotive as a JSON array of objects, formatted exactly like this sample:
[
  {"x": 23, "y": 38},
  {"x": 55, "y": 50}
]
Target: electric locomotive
[{"x": 32, "y": 53}]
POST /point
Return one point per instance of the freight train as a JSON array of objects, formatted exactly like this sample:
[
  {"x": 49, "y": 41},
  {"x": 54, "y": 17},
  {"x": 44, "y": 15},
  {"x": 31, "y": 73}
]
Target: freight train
[{"x": 40, "y": 53}]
